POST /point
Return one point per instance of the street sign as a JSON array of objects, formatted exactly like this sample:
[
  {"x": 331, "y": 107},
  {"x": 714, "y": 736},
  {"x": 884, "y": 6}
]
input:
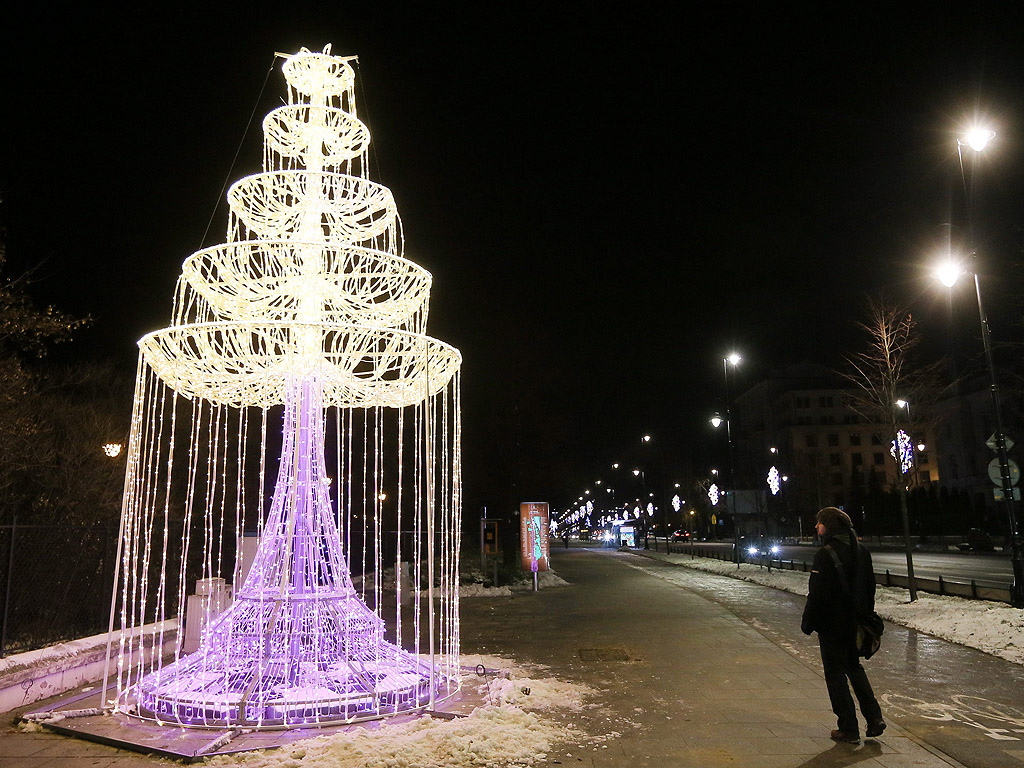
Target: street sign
[
  {"x": 991, "y": 442},
  {"x": 995, "y": 472},
  {"x": 998, "y": 494}
]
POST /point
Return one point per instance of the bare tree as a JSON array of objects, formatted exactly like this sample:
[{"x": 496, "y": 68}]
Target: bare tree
[
  {"x": 887, "y": 372},
  {"x": 25, "y": 333}
]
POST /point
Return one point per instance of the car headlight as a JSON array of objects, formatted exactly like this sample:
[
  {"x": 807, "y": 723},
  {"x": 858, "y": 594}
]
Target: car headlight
[
  {"x": 751, "y": 550},
  {"x": 776, "y": 549}
]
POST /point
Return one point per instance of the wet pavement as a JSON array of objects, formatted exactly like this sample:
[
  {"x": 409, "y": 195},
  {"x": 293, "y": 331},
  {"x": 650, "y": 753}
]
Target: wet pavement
[
  {"x": 965, "y": 703},
  {"x": 696, "y": 669},
  {"x": 715, "y": 671}
]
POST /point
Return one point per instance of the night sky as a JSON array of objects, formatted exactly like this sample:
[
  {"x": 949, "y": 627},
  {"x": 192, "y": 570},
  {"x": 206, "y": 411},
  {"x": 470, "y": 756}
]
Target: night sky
[{"x": 608, "y": 203}]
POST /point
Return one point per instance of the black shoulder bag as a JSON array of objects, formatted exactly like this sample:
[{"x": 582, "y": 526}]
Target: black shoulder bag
[{"x": 869, "y": 624}]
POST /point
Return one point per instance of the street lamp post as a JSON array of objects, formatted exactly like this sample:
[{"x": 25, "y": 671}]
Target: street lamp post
[
  {"x": 948, "y": 276},
  {"x": 977, "y": 140},
  {"x": 899, "y": 455},
  {"x": 643, "y": 506},
  {"x": 716, "y": 421}
]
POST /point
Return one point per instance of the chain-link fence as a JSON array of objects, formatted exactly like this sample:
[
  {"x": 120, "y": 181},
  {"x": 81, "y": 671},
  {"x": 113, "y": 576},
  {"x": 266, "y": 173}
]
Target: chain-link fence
[{"x": 56, "y": 583}]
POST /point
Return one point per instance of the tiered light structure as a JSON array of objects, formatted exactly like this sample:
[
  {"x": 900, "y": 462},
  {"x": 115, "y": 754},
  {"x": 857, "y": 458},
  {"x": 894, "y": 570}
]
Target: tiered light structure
[{"x": 310, "y": 314}]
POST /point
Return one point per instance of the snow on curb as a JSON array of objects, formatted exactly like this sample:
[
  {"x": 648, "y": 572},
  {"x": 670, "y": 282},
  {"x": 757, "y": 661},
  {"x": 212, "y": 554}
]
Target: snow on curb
[{"x": 994, "y": 628}]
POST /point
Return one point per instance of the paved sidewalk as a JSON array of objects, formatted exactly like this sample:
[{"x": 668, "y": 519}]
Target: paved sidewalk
[
  {"x": 693, "y": 684},
  {"x": 701, "y": 670}
]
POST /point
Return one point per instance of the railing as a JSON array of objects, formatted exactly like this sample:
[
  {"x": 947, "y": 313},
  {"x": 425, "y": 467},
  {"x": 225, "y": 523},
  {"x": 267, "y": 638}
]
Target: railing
[{"x": 972, "y": 590}]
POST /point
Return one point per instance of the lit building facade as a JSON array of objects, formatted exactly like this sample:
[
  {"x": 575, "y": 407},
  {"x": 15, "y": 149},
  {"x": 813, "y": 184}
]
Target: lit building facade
[{"x": 827, "y": 452}]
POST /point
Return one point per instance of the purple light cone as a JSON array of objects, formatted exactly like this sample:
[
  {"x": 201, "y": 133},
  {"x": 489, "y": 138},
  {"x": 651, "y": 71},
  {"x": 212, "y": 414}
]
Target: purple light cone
[{"x": 298, "y": 646}]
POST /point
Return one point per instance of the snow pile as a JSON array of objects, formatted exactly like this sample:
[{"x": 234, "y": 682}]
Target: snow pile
[
  {"x": 995, "y": 628},
  {"x": 537, "y": 693},
  {"x": 476, "y": 588},
  {"x": 546, "y": 579},
  {"x": 503, "y": 732},
  {"x": 491, "y": 736},
  {"x": 508, "y": 683}
]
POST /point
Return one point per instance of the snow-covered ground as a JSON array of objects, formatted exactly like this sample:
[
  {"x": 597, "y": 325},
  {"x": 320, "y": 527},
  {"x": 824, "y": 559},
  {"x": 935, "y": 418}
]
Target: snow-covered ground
[
  {"x": 995, "y": 628},
  {"x": 545, "y": 580},
  {"x": 524, "y": 713},
  {"x": 515, "y": 727}
]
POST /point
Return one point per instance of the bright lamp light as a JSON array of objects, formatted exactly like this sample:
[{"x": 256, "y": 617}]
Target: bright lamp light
[
  {"x": 978, "y": 138},
  {"x": 948, "y": 274}
]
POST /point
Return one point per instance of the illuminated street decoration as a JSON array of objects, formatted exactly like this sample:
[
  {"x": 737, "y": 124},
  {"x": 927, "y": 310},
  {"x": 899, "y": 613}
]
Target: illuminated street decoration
[
  {"x": 677, "y": 503},
  {"x": 714, "y": 494},
  {"x": 311, "y": 317},
  {"x": 902, "y": 449},
  {"x": 650, "y": 509},
  {"x": 774, "y": 481}
]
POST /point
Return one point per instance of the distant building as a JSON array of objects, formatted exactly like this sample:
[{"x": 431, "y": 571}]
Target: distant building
[
  {"x": 965, "y": 422},
  {"x": 824, "y": 448}
]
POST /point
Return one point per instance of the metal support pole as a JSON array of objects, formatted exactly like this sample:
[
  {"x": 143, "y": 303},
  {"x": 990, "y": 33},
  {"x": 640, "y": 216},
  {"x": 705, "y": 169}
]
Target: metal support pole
[
  {"x": 732, "y": 465},
  {"x": 7, "y": 596},
  {"x": 1016, "y": 548}
]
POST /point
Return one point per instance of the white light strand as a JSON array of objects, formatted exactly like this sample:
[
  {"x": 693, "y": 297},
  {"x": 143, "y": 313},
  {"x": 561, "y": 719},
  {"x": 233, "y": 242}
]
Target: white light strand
[{"x": 311, "y": 286}]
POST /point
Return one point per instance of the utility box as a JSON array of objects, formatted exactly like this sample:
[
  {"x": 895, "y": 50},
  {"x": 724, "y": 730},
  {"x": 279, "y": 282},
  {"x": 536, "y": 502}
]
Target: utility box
[
  {"x": 248, "y": 544},
  {"x": 490, "y": 536},
  {"x": 211, "y": 599}
]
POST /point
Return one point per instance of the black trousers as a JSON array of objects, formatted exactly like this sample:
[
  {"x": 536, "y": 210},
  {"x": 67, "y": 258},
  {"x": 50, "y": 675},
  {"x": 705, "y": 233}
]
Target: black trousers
[{"x": 841, "y": 663}]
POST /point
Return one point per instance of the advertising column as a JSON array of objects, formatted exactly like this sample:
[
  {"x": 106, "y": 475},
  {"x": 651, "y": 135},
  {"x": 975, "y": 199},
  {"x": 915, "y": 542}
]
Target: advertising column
[{"x": 533, "y": 535}]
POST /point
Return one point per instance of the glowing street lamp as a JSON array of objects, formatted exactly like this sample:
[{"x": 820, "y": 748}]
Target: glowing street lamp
[
  {"x": 732, "y": 359},
  {"x": 977, "y": 139},
  {"x": 1006, "y": 482}
]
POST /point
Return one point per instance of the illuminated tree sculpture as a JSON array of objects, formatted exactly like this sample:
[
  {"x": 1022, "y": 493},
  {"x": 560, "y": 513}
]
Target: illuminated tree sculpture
[{"x": 309, "y": 314}]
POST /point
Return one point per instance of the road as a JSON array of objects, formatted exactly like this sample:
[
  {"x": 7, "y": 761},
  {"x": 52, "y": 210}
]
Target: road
[{"x": 985, "y": 568}]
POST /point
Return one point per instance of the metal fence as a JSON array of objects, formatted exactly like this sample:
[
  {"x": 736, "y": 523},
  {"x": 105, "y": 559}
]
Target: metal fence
[
  {"x": 973, "y": 589},
  {"x": 56, "y": 583}
]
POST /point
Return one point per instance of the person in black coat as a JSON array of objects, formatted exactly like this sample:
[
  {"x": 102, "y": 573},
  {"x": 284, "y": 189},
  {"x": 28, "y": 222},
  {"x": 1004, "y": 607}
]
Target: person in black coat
[{"x": 831, "y": 613}]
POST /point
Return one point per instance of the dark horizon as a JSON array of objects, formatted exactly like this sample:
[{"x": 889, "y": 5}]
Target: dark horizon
[{"x": 608, "y": 204}]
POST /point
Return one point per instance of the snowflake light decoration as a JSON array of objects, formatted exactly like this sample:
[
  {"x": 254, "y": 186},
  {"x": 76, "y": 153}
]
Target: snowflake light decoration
[
  {"x": 774, "y": 481},
  {"x": 902, "y": 449},
  {"x": 311, "y": 317},
  {"x": 714, "y": 494}
]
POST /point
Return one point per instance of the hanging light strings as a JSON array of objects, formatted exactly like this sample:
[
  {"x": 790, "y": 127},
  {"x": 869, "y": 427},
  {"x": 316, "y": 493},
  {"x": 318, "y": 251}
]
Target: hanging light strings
[{"x": 308, "y": 313}]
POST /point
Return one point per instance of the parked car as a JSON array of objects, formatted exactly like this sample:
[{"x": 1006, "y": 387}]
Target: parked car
[{"x": 977, "y": 541}]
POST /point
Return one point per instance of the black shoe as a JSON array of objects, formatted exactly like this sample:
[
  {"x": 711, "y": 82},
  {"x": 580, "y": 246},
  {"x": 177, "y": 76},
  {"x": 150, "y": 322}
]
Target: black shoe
[
  {"x": 848, "y": 737},
  {"x": 875, "y": 727}
]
